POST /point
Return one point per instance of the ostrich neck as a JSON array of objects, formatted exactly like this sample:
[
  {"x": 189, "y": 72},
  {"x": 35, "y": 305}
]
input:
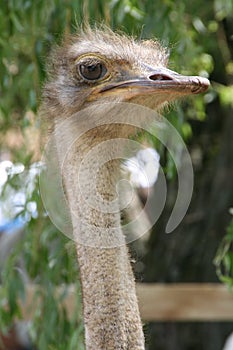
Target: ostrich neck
[{"x": 111, "y": 315}]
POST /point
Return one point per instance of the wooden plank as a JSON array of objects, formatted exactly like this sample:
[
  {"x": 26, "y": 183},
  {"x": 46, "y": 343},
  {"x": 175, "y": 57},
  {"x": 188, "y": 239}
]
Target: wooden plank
[
  {"x": 168, "y": 302},
  {"x": 185, "y": 302}
]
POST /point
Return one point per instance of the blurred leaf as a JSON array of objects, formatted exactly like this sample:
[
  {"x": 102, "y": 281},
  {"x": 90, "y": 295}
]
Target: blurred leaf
[{"x": 226, "y": 95}]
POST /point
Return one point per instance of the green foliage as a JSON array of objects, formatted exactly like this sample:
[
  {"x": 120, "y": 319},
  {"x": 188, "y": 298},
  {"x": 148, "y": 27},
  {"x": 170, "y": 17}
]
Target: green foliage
[
  {"x": 226, "y": 95},
  {"x": 49, "y": 262},
  {"x": 224, "y": 257}
]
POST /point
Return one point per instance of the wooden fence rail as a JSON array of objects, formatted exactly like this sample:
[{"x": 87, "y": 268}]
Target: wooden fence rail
[
  {"x": 168, "y": 302},
  {"x": 185, "y": 302}
]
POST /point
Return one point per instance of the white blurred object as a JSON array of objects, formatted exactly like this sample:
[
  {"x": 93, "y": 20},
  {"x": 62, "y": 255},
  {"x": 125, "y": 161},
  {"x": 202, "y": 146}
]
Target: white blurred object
[
  {"x": 16, "y": 208},
  {"x": 142, "y": 171},
  {"x": 144, "y": 168},
  {"x": 4, "y": 165},
  {"x": 14, "y": 201},
  {"x": 17, "y": 337},
  {"x": 22, "y": 331},
  {"x": 229, "y": 343}
]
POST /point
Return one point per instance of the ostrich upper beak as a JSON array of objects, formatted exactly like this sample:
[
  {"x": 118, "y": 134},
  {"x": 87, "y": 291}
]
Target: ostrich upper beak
[{"x": 160, "y": 81}]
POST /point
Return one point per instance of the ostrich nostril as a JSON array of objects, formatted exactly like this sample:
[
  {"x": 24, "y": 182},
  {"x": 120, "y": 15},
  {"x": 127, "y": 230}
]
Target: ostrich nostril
[{"x": 159, "y": 77}]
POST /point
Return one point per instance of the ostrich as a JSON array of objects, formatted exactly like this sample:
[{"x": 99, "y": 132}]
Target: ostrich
[{"x": 94, "y": 67}]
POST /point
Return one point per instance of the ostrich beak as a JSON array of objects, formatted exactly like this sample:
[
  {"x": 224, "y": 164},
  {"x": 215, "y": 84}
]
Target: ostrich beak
[{"x": 159, "y": 81}]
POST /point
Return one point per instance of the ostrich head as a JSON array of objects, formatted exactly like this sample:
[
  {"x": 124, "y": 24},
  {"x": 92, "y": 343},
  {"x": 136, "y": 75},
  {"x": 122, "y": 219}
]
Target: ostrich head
[{"x": 99, "y": 65}]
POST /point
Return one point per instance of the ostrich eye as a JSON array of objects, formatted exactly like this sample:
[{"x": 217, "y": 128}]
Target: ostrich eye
[{"x": 92, "y": 71}]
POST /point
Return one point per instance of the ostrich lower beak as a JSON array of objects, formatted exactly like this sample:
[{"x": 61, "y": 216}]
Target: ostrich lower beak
[{"x": 159, "y": 81}]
